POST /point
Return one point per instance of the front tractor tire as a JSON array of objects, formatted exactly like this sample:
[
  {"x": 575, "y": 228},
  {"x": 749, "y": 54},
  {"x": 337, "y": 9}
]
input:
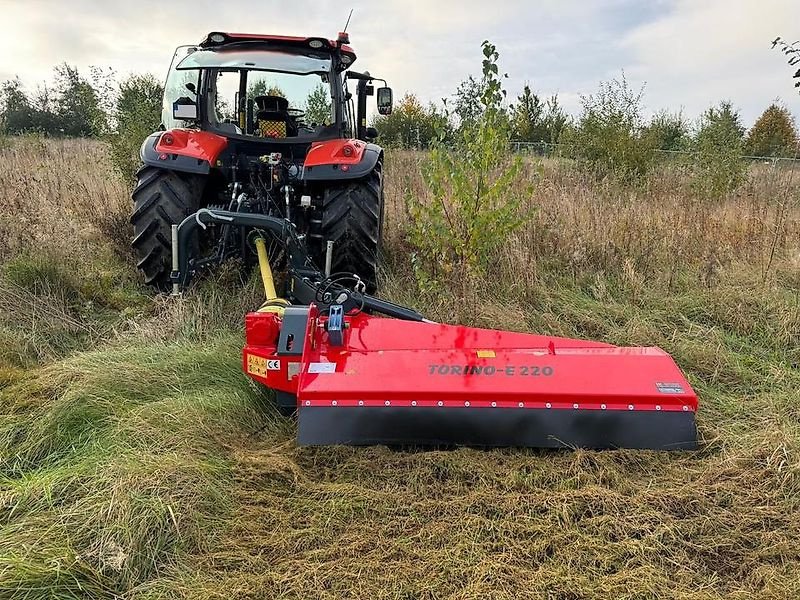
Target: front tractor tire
[
  {"x": 161, "y": 199},
  {"x": 352, "y": 217}
]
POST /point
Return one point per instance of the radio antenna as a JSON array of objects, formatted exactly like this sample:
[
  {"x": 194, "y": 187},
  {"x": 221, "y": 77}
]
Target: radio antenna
[{"x": 348, "y": 21}]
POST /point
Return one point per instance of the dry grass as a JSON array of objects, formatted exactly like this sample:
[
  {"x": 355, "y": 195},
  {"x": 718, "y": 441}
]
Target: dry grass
[
  {"x": 653, "y": 231},
  {"x": 60, "y": 197},
  {"x": 136, "y": 461},
  {"x": 468, "y": 524}
]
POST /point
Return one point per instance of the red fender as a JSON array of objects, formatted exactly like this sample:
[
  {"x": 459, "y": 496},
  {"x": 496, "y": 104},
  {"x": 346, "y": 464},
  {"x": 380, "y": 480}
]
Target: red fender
[
  {"x": 340, "y": 152},
  {"x": 201, "y": 145}
]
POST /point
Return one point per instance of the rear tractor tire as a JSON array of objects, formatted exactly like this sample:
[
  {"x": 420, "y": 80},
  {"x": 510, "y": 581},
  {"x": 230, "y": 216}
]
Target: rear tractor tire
[
  {"x": 352, "y": 217},
  {"x": 161, "y": 199}
]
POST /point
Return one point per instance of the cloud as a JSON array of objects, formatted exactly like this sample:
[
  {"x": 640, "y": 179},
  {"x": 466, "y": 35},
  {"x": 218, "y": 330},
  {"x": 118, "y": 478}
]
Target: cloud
[
  {"x": 690, "y": 53},
  {"x": 702, "y": 52}
]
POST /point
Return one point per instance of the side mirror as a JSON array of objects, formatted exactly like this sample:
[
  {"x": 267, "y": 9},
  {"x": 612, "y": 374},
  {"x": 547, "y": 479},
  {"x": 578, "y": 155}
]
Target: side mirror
[
  {"x": 385, "y": 100},
  {"x": 184, "y": 109},
  {"x": 191, "y": 87},
  {"x": 371, "y": 133}
]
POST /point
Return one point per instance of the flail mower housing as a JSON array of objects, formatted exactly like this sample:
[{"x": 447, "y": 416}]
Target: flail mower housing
[{"x": 357, "y": 378}]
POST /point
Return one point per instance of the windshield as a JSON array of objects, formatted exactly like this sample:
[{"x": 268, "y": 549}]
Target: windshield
[
  {"x": 176, "y": 87},
  {"x": 259, "y": 93},
  {"x": 277, "y": 105},
  {"x": 272, "y": 60}
]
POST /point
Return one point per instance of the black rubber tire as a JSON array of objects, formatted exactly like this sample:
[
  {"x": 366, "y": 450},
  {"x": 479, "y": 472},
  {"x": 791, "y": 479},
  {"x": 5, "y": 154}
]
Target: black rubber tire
[
  {"x": 161, "y": 199},
  {"x": 352, "y": 217}
]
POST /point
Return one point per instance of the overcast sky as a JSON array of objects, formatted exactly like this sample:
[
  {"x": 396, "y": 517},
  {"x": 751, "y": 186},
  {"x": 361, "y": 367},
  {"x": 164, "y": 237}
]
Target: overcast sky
[{"x": 689, "y": 53}]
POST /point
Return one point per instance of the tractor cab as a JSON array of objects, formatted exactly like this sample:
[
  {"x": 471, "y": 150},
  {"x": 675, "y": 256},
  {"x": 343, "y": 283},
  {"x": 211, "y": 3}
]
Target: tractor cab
[{"x": 272, "y": 88}]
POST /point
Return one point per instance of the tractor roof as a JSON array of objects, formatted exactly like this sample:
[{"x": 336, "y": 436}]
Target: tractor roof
[{"x": 217, "y": 39}]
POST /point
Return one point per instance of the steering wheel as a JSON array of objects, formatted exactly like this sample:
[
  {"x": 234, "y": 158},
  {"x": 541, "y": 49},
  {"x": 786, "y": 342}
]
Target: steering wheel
[{"x": 296, "y": 113}]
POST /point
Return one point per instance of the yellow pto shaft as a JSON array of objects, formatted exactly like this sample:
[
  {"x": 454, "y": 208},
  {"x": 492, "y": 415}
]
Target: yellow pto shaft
[{"x": 273, "y": 304}]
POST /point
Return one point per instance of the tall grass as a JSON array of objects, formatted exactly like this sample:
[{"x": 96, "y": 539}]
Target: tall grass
[{"x": 137, "y": 461}]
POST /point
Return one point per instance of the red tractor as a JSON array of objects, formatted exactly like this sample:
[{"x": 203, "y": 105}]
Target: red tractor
[{"x": 267, "y": 125}]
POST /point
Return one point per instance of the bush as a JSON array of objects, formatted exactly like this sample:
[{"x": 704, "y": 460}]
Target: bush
[
  {"x": 473, "y": 206},
  {"x": 610, "y": 136},
  {"x": 138, "y": 114},
  {"x": 668, "y": 132},
  {"x": 411, "y": 125},
  {"x": 719, "y": 146}
]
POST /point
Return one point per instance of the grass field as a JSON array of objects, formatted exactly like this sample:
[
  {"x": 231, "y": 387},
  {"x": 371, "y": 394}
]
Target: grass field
[{"x": 137, "y": 461}]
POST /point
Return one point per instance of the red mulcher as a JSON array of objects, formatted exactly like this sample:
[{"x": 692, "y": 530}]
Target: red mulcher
[{"x": 356, "y": 378}]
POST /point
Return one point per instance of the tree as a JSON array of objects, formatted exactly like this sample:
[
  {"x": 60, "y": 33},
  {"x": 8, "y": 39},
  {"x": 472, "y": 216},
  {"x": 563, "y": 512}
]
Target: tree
[
  {"x": 137, "y": 114},
  {"x": 668, "y": 131},
  {"x": 77, "y": 105},
  {"x": 526, "y": 117},
  {"x": 139, "y": 103},
  {"x": 467, "y": 106},
  {"x": 536, "y": 121},
  {"x": 262, "y": 87},
  {"x": 610, "y": 135},
  {"x": 44, "y": 116},
  {"x": 792, "y": 52},
  {"x": 719, "y": 147},
  {"x": 471, "y": 206},
  {"x": 726, "y": 120},
  {"x": 773, "y": 134},
  {"x": 318, "y": 106},
  {"x": 71, "y": 106},
  {"x": 554, "y": 120},
  {"x": 411, "y": 125},
  {"x": 17, "y": 115}
]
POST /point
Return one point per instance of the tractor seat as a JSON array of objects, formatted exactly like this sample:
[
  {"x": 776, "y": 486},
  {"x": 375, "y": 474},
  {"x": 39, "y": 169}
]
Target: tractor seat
[{"x": 272, "y": 118}]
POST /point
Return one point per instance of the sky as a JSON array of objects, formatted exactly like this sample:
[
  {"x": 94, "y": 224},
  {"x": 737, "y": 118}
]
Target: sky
[{"x": 689, "y": 54}]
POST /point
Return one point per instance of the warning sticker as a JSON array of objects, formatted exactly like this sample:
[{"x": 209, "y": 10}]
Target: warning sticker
[
  {"x": 669, "y": 388},
  {"x": 256, "y": 365},
  {"x": 292, "y": 369},
  {"x": 320, "y": 367}
]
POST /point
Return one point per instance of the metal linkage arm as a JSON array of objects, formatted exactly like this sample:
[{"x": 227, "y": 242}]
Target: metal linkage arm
[
  {"x": 183, "y": 234},
  {"x": 305, "y": 277}
]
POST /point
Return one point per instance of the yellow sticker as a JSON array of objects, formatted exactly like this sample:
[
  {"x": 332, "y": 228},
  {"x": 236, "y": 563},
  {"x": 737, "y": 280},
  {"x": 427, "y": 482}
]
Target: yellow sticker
[
  {"x": 485, "y": 354},
  {"x": 256, "y": 365}
]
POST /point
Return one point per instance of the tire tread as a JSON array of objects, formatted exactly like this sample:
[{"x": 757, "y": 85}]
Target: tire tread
[{"x": 161, "y": 199}]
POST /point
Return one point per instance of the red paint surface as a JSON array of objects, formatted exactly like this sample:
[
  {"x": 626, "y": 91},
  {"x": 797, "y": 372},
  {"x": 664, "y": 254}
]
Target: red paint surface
[
  {"x": 389, "y": 360},
  {"x": 332, "y": 152},
  {"x": 292, "y": 39},
  {"x": 201, "y": 145}
]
